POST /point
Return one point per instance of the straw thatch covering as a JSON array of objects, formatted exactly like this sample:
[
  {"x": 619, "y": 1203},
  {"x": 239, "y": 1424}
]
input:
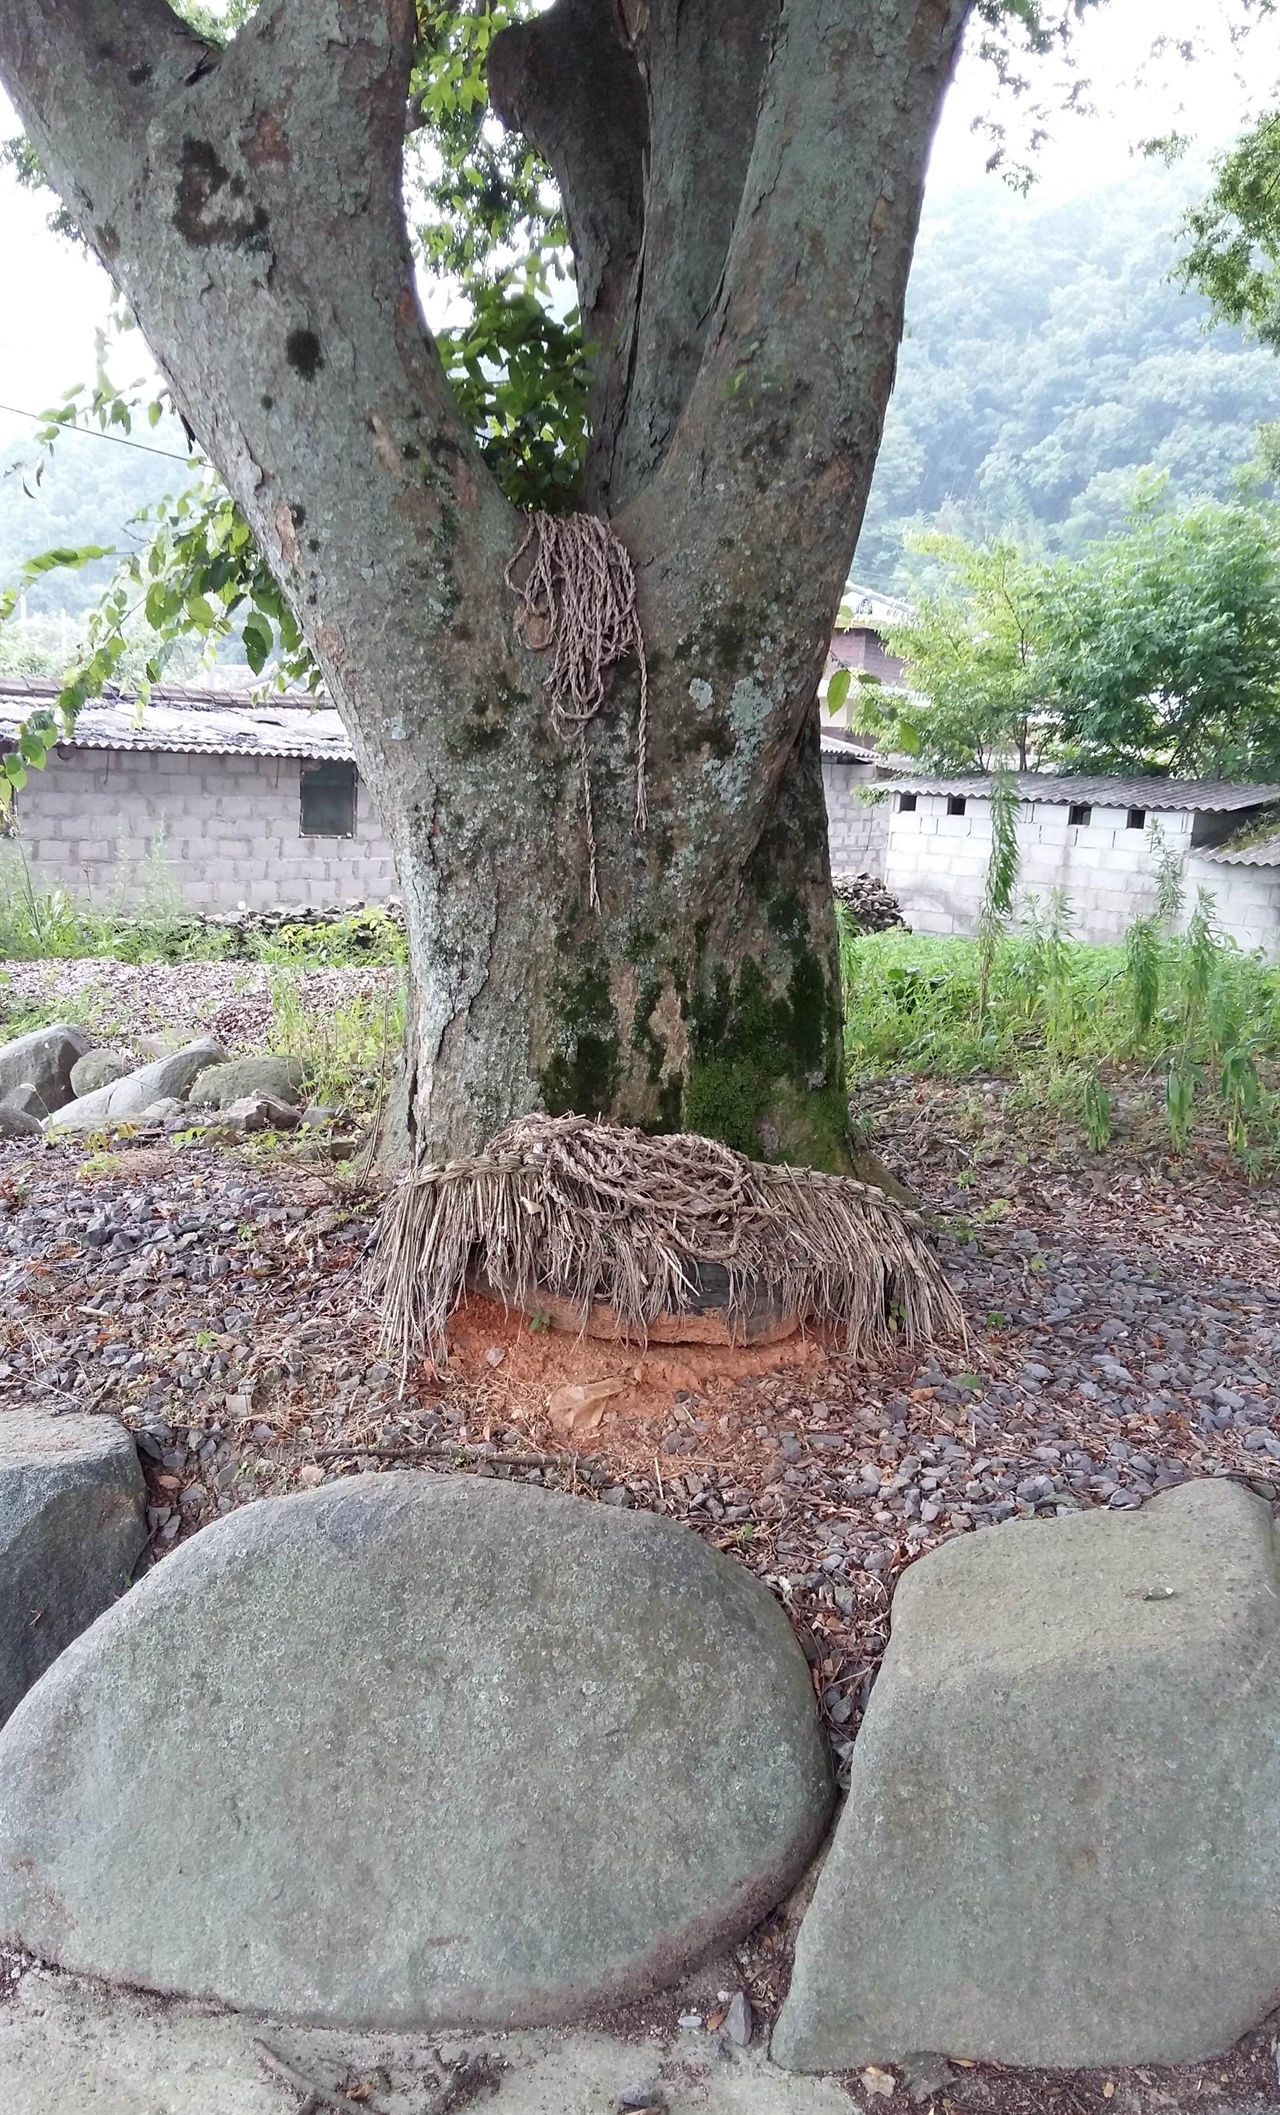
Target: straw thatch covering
[{"x": 593, "y": 1213}]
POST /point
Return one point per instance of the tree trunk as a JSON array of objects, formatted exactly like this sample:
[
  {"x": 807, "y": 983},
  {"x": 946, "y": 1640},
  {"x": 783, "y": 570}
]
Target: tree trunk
[
  {"x": 702, "y": 995},
  {"x": 746, "y": 314}
]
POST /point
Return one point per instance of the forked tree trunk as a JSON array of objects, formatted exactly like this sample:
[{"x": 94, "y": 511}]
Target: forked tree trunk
[{"x": 742, "y": 185}]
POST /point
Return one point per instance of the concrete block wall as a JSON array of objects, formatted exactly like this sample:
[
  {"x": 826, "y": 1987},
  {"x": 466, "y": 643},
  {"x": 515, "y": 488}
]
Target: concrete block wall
[
  {"x": 1246, "y": 902},
  {"x": 936, "y": 865},
  {"x": 218, "y": 830},
  {"x": 857, "y": 830}
]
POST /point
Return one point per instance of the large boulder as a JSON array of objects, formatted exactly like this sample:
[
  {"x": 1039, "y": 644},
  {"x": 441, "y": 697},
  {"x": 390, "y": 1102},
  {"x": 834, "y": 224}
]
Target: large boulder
[
  {"x": 124, "y": 1100},
  {"x": 42, "y": 1060},
  {"x": 98, "y": 1068},
  {"x": 219, "y": 1086},
  {"x": 1062, "y": 1839},
  {"x": 72, "y": 1527},
  {"x": 421, "y": 1750}
]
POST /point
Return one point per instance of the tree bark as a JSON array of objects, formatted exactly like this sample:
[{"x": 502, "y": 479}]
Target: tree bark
[{"x": 247, "y": 203}]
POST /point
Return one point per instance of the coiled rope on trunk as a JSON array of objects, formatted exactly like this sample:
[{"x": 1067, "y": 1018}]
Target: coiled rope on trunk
[
  {"x": 578, "y": 600},
  {"x": 596, "y": 1212}
]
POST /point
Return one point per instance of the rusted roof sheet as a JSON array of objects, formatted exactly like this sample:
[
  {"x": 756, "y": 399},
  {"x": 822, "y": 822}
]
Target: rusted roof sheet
[{"x": 180, "y": 717}]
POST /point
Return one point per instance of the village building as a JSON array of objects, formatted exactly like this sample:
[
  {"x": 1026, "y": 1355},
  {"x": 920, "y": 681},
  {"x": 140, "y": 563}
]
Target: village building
[
  {"x": 858, "y": 642},
  {"x": 1093, "y": 838},
  {"x": 225, "y": 803},
  {"x": 221, "y": 801}
]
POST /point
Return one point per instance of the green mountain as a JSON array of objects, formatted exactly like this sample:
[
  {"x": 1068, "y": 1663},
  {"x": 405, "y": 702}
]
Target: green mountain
[{"x": 1048, "y": 359}]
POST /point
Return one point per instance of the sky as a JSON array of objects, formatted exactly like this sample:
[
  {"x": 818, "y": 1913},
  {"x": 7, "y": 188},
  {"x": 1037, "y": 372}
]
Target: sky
[{"x": 53, "y": 298}]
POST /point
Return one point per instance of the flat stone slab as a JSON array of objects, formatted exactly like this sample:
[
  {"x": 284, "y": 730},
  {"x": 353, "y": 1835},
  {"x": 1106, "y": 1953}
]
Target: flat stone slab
[
  {"x": 67, "y": 2048},
  {"x": 123, "y": 1100},
  {"x": 72, "y": 1527},
  {"x": 1062, "y": 1839},
  {"x": 421, "y": 1750}
]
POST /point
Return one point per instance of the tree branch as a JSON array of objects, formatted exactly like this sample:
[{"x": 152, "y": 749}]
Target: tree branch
[
  {"x": 778, "y": 439},
  {"x": 703, "y": 70},
  {"x": 567, "y": 82},
  {"x": 247, "y": 201}
]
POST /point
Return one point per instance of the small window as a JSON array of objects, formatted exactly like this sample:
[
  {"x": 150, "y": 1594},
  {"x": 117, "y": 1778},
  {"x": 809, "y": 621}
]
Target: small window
[
  {"x": 329, "y": 800},
  {"x": 1079, "y": 814},
  {"x": 955, "y": 804},
  {"x": 1137, "y": 819},
  {"x": 906, "y": 804}
]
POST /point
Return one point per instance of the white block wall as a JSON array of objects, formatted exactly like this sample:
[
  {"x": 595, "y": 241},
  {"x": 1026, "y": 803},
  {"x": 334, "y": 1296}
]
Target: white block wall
[
  {"x": 857, "y": 830},
  {"x": 1246, "y": 902},
  {"x": 220, "y": 830},
  {"x": 936, "y": 865}
]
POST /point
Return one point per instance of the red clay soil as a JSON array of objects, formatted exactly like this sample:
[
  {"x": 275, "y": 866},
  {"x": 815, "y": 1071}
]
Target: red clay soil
[{"x": 519, "y": 1387}]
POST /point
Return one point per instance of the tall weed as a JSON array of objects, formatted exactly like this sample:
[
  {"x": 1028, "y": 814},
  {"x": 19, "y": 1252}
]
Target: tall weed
[{"x": 1193, "y": 1011}]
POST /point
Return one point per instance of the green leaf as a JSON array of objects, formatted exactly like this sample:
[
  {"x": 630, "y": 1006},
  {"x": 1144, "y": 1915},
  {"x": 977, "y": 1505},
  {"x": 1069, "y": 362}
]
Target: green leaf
[
  {"x": 838, "y": 689},
  {"x": 258, "y": 638}
]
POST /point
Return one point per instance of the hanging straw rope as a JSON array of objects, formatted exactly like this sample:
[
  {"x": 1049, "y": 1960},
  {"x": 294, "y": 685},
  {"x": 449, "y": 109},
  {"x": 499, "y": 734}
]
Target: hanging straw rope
[
  {"x": 591, "y": 1212},
  {"x": 579, "y": 599}
]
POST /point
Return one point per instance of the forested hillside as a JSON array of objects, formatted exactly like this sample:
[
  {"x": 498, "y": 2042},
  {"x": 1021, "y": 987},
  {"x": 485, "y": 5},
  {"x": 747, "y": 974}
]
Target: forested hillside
[
  {"x": 1048, "y": 359},
  {"x": 87, "y": 495}
]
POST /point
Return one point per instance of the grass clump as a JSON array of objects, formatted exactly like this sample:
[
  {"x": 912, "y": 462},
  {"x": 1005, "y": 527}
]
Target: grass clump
[
  {"x": 349, "y": 1051},
  {"x": 1192, "y": 1012}
]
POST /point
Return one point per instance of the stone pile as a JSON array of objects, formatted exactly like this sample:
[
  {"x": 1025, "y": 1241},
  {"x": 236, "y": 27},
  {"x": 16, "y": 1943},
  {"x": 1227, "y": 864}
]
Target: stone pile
[
  {"x": 245, "y": 924},
  {"x": 54, "y": 1085},
  {"x": 872, "y": 907}
]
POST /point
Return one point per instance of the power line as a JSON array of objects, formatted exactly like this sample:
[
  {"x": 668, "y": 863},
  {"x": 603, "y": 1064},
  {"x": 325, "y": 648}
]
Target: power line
[{"x": 93, "y": 433}]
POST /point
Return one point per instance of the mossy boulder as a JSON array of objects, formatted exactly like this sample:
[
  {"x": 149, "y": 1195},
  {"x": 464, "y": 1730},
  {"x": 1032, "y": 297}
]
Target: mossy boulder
[
  {"x": 99, "y": 1068},
  {"x": 281, "y": 1078}
]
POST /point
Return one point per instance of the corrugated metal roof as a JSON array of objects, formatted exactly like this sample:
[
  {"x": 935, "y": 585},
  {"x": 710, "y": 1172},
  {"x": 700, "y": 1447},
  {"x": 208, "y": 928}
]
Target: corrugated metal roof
[
  {"x": 853, "y": 748},
  {"x": 1256, "y": 845},
  {"x": 1059, "y": 789},
  {"x": 1265, "y": 853},
  {"x": 177, "y": 717}
]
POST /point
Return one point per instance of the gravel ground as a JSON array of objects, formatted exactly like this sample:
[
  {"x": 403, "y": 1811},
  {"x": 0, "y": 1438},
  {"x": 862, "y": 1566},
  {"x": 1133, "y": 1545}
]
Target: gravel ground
[
  {"x": 1124, "y": 1318},
  {"x": 122, "y": 1000}
]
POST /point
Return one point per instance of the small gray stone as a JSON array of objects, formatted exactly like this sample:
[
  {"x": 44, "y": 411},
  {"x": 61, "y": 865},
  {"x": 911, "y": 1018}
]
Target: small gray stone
[
  {"x": 926, "y": 2074},
  {"x": 43, "y": 1060},
  {"x": 260, "y": 1112},
  {"x": 448, "y": 1639},
  {"x": 1061, "y": 1843},
  {"x": 124, "y": 1100},
  {"x": 315, "y": 1116},
  {"x": 738, "y": 2025},
  {"x": 98, "y": 1068},
  {"x": 160, "y": 1111},
  {"x": 645, "y": 2097},
  {"x": 72, "y": 1525},
  {"x": 219, "y": 1086}
]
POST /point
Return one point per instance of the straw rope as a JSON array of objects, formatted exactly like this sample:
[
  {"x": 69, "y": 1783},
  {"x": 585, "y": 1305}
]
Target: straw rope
[
  {"x": 578, "y": 599},
  {"x": 593, "y": 1212}
]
